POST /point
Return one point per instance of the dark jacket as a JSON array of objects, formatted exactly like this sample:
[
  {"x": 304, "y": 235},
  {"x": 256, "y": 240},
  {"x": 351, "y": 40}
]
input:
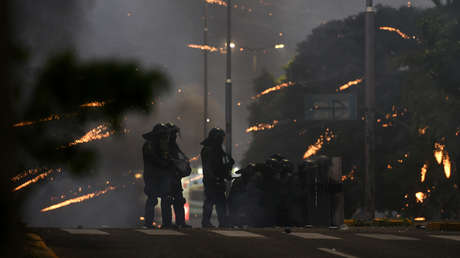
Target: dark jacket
[
  {"x": 158, "y": 170},
  {"x": 215, "y": 170}
]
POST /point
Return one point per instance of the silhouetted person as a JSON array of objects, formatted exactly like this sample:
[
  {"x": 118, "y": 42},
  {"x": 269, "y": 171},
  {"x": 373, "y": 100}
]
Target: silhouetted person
[
  {"x": 158, "y": 171},
  {"x": 217, "y": 167}
]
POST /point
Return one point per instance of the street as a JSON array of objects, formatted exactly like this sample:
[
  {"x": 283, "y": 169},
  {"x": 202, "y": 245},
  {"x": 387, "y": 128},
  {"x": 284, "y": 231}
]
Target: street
[{"x": 268, "y": 242}]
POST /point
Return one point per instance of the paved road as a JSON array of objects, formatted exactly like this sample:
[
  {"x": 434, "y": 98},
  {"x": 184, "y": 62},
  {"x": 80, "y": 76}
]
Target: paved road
[{"x": 266, "y": 243}]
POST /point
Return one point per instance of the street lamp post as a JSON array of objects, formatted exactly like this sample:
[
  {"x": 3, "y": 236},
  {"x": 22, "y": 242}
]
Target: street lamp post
[
  {"x": 228, "y": 83},
  {"x": 205, "y": 55},
  {"x": 369, "y": 149}
]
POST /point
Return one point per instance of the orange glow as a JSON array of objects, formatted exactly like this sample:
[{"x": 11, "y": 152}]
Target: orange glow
[
  {"x": 141, "y": 218},
  {"x": 350, "y": 176},
  {"x": 420, "y": 219},
  {"x": 35, "y": 179},
  {"x": 422, "y": 131},
  {"x": 203, "y": 47},
  {"x": 423, "y": 172},
  {"x": 138, "y": 175},
  {"x": 187, "y": 211},
  {"x": 438, "y": 152},
  {"x": 349, "y": 84},
  {"x": 46, "y": 119},
  {"x": 420, "y": 196},
  {"x": 403, "y": 35},
  {"x": 261, "y": 127},
  {"x": 314, "y": 148},
  {"x": 28, "y": 172},
  {"x": 218, "y": 2},
  {"x": 94, "y": 104},
  {"x": 194, "y": 158},
  {"x": 275, "y": 88},
  {"x": 97, "y": 133},
  {"x": 446, "y": 164},
  {"x": 78, "y": 199}
]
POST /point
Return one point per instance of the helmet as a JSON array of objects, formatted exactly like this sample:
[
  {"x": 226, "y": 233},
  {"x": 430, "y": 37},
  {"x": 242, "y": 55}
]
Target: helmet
[
  {"x": 216, "y": 133},
  {"x": 158, "y": 129},
  {"x": 172, "y": 127}
]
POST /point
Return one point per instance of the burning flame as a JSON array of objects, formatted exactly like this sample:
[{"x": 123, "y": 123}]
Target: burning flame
[
  {"x": 261, "y": 127},
  {"x": 203, "y": 47},
  {"x": 97, "y": 133},
  {"x": 218, "y": 2},
  {"x": 447, "y": 165},
  {"x": 403, "y": 35},
  {"x": 314, "y": 148},
  {"x": 275, "y": 88},
  {"x": 438, "y": 152},
  {"x": 420, "y": 197},
  {"x": 423, "y": 172},
  {"x": 94, "y": 104},
  {"x": 78, "y": 199},
  {"x": 46, "y": 119},
  {"x": 35, "y": 179},
  {"x": 349, "y": 84}
]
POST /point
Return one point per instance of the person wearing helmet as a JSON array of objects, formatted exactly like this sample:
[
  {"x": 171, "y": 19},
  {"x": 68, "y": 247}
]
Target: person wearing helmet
[
  {"x": 158, "y": 169},
  {"x": 176, "y": 198},
  {"x": 217, "y": 167}
]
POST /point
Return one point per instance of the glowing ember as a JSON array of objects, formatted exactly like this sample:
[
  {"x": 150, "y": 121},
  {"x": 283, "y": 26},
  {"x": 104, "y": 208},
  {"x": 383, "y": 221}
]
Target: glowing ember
[
  {"x": 203, "y": 47},
  {"x": 94, "y": 104},
  {"x": 97, "y": 133},
  {"x": 194, "y": 158},
  {"x": 349, "y": 84},
  {"x": 350, "y": 176},
  {"x": 218, "y": 2},
  {"x": 314, "y": 148},
  {"x": 420, "y": 219},
  {"x": 420, "y": 196},
  {"x": 26, "y": 173},
  {"x": 78, "y": 199},
  {"x": 438, "y": 152},
  {"x": 46, "y": 119},
  {"x": 447, "y": 165},
  {"x": 261, "y": 127},
  {"x": 35, "y": 179},
  {"x": 275, "y": 88},
  {"x": 423, "y": 172},
  {"x": 138, "y": 175},
  {"x": 422, "y": 131},
  {"x": 403, "y": 35}
]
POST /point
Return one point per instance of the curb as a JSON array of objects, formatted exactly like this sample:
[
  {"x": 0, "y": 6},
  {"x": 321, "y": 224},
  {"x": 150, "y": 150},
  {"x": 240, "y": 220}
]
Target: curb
[
  {"x": 36, "y": 247},
  {"x": 454, "y": 226}
]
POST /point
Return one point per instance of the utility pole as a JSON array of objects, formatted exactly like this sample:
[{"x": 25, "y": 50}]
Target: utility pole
[
  {"x": 228, "y": 82},
  {"x": 369, "y": 149},
  {"x": 205, "y": 55}
]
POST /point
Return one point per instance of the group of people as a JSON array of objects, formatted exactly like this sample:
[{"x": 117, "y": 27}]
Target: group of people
[{"x": 272, "y": 193}]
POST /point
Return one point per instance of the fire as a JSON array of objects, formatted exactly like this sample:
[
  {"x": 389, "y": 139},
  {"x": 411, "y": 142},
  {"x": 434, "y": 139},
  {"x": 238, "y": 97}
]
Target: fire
[
  {"x": 35, "y": 179},
  {"x": 203, "y": 47},
  {"x": 46, "y": 119},
  {"x": 78, "y": 199},
  {"x": 423, "y": 172},
  {"x": 420, "y": 197},
  {"x": 94, "y": 104},
  {"x": 314, "y": 148},
  {"x": 97, "y": 133},
  {"x": 194, "y": 158},
  {"x": 447, "y": 165},
  {"x": 261, "y": 127},
  {"x": 349, "y": 84},
  {"x": 438, "y": 152},
  {"x": 275, "y": 88},
  {"x": 218, "y": 2},
  {"x": 403, "y": 35}
]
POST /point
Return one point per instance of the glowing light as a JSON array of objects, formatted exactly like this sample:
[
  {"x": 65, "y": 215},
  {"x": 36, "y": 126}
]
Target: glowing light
[
  {"x": 217, "y": 2},
  {"x": 423, "y": 172},
  {"x": 438, "y": 152},
  {"x": 203, "y": 47},
  {"x": 98, "y": 133},
  {"x": 232, "y": 45},
  {"x": 447, "y": 166},
  {"x": 138, "y": 175},
  {"x": 278, "y": 46},
  {"x": 403, "y": 35},
  {"x": 314, "y": 148},
  {"x": 261, "y": 127},
  {"x": 275, "y": 88},
  {"x": 141, "y": 218},
  {"x": 78, "y": 199},
  {"x": 349, "y": 84},
  {"x": 94, "y": 104},
  {"x": 350, "y": 176},
  {"x": 420, "y": 219},
  {"x": 34, "y": 180},
  {"x": 420, "y": 197},
  {"x": 194, "y": 158},
  {"x": 422, "y": 131},
  {"x": 28, "y": 172},
  {"x": 46, "y": 119}
]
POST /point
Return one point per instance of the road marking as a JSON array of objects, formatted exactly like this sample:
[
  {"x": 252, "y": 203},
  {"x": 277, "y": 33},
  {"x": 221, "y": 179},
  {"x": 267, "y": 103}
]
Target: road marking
[
  {"x": 333, "y": 251},
  {"x": 450, "y": 237},
  {"x": 387, "y": 237},
  {"x": 84, "y": 231},
  {"x": 313, "y": 236},
  {"x": 236, "y": 233},
  {"x": 160, "y": 232}
]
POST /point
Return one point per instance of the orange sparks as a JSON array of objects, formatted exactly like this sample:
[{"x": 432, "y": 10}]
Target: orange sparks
[
  {"x": 275, "y": 88},
  {"x": 438, "y": 152},
  {"x": 203, "y": 47},
  {"x": 35, "y": 179},
  {"x": 218, "y": 2},
  {"x": 349, "y": 84},
  {"x": 194, "y": 158},
  {"x": 422, "y": 131},
  {"x": 261, "y": 127},
  {"x": 350, "y": 176},
  {"x": 403, "y": 35},
  {"x": 46, "y": 119},
  {"x": 78, "y": 199},
  {"x": 447, "y": 165},
  {"x": 420, "y": 197},
  {"x": 28, "y": 172},
  {"x": 423, "y": 172},
  {"x": 94, "y": 104},
  {"x": 314, "y": 148},
  {"x": 97, "y": 133}
]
